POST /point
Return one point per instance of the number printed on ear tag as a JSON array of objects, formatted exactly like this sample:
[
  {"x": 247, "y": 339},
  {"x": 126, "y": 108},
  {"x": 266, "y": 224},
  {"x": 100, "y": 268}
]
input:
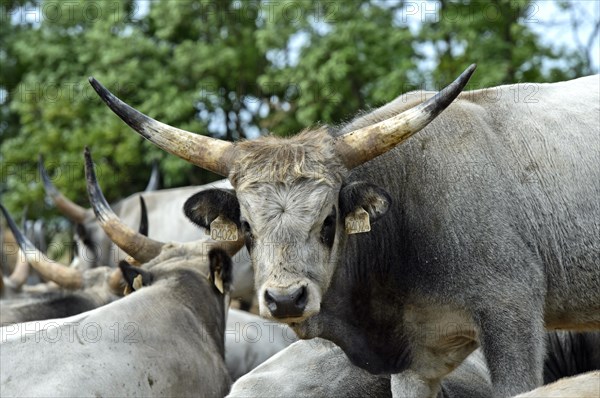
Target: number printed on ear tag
[
  {"x": 357, "y": 222},
  {"x": 221, "y": 229}
]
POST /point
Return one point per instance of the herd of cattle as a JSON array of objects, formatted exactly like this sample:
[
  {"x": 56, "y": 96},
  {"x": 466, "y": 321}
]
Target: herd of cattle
[{"x": 463, "y": 263}]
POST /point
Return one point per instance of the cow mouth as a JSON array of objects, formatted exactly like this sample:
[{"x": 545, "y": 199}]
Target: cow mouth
[{"x": 292, "y": 321}]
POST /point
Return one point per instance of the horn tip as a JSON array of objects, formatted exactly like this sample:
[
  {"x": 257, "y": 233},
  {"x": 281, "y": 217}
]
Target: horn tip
[
  {"x": 466, "y": 75},
  {"x": 98, "y": 87},
  {"x": 88, "y": 164}
]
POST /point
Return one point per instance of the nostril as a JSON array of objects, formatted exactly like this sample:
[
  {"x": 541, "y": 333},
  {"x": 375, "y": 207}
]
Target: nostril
[
  {"x": 302, "y": 297},
  {"x": 271, "y": 302},
  {"x": 289, "y": 304}
]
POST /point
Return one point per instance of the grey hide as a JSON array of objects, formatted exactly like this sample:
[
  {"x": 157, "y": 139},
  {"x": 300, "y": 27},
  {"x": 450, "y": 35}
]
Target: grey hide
[
  {"x": 250, "y": 340},
  {"x": 165, "y": 339},
  {"x": 318, "y": 368},
  {"x": 586, "y": 385}
]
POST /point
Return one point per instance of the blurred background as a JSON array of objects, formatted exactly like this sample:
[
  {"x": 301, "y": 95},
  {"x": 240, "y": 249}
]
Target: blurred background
[{"x": 241, "y": 69}]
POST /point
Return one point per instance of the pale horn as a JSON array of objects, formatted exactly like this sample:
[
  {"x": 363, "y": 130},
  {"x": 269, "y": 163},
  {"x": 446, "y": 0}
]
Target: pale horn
[
  {"x": 21, "y": 272},
  {"x": 138, "y": 246},
  {"x": 115, "y": 281},
  {"x": 362, "y": 145},
  {"x": 70, "y": 209},
  {"x": 64, "y": 276},
  {"x": 206, "y": 152}
]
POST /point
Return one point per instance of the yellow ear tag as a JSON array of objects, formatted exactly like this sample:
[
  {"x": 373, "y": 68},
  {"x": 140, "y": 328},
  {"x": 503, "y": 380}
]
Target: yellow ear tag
[
  {"x": 219, "y": 284},
  {"x": 137, "y": 282},
  {"x": 357, "y": 222},
  {"x": 221, "y": 229}
]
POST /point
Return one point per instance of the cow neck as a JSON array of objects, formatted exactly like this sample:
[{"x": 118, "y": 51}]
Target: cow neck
[{"x": 193, "y": 290}]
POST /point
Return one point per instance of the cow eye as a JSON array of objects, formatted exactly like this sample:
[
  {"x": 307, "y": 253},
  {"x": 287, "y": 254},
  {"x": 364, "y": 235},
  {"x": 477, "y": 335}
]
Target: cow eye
[
  {"x": 248, "y": 235},
  {"x": 328, "y": 229},
  {"x": 246, "y": 227}
]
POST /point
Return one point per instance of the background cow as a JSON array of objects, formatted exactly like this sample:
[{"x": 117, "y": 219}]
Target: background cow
[
  {"x": 298, "y": 371},
  {"x": 169, "y": 224},
  {"x": 319, "y": 368},
  {"x": 133, "y": 346}
]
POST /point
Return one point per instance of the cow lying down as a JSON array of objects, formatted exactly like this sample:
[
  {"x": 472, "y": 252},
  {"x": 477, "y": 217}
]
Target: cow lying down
[
  {"x": 319, "y": 368},
  {"x": 164, "y": 339}
]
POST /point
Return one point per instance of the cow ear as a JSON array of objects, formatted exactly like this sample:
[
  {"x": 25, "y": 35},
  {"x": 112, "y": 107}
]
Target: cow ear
[
  {"x": 205, "y": 206},
  {"x": 220, "y": 270},
  {"x": 359, "y": 200},
  {"x": 135, "y": 277}
]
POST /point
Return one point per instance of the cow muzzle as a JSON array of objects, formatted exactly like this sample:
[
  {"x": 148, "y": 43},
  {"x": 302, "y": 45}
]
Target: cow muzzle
[{"x": 287, "y": 304}]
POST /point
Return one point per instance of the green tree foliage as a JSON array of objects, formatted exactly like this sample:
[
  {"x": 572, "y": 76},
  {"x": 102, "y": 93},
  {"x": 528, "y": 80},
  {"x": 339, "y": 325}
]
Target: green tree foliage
[
  {"x": 231, "y": 70},
  {"x": 351, "y": 56},
  {"x": 498, "y": 36}
]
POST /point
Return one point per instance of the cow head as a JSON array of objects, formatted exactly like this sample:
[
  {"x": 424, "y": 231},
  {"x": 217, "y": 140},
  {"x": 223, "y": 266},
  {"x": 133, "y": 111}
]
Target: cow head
[
  {"x": 292, "y": 217},
  {"x": 291, "y": 198}
]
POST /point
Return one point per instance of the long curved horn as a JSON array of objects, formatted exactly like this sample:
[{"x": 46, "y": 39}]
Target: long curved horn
[
  {"x": 154, "y": 182},
  {"x": 209, "y": 153},
  {"x": 139, "y": 247},
  {"x": 64, "y": 276},
  {"x": 21, "y": 272},
  {"x": 115, "y": 280},
  {"x": 362, "y": 145},
  {"x": 70, "y": 209}
]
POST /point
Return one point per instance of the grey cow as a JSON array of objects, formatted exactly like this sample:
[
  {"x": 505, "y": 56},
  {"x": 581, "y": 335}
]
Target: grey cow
[
  {"x": 319, "y": 368},
  {"x": 165, "y": 339},
  {"x": 166, "y": 217},
  {"x": 483, "y": 227},
  {"x": 69, "y": 291}
]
